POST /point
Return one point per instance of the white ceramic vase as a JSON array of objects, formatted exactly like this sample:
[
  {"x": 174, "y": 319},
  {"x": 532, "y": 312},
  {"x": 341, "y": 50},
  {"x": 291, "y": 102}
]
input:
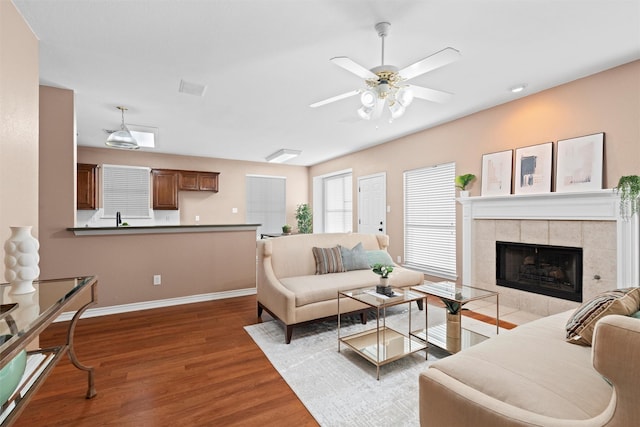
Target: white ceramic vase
[
  {"x": 21, "y": 260},
  {"x": 464, "y": 193}
]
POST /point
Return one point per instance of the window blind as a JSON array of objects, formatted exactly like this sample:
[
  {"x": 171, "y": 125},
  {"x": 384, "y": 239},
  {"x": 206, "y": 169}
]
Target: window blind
[
  {"x": 338, "y": 203},
  {"x": 266, "y": 203},
  {"x": 430, "y": 220},
  {"x": 126, "y": 189}
]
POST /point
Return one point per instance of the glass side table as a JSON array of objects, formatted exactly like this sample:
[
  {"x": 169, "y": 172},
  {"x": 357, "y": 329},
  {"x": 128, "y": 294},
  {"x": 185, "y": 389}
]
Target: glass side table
[
  {"x": 24, "y": 317},
  {"x": 382, "y": 344},
  {"x": 451, "y": 336}
]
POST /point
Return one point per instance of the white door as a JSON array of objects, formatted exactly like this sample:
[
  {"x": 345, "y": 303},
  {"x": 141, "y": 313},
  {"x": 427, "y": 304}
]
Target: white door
[{"x": 372, "y": 204}]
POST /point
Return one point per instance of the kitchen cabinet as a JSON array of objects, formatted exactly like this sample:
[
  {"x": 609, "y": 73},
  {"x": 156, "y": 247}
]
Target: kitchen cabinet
[
  {"x": 198, "y": 181},
  {"x": 165, "y": 189},
  {"x": 86, "y": 186}
]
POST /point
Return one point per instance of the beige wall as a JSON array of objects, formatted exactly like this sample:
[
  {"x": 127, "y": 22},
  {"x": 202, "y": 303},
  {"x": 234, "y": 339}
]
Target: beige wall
[
  {"x": 18, "y": 123},
  {"x": 606, "y": 102},
  {"x": 190, "y": 264}
]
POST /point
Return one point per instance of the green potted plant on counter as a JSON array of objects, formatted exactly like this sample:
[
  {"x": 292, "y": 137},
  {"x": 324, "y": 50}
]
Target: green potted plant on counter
[
  {"x": 304, "y": 216},
  {"x": 629, "y": 190},
  {"x": 462, "y": 181},
  {"x": 286, "y": 229}
]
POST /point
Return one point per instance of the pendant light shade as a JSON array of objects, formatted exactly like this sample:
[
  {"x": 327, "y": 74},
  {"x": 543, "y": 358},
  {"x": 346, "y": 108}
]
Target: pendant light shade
[{"x": 122, "y": 138}]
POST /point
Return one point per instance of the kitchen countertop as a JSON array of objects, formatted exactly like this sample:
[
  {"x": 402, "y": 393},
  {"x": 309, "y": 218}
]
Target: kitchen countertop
[{"x": 160, "y": 229}]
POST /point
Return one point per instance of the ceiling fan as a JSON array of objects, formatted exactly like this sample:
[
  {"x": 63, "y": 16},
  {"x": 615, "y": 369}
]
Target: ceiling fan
[{"x": 385, "y": 84}]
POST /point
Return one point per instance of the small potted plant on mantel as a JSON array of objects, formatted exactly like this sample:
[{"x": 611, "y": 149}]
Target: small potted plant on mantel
[
  {"x": 629, "y": 190},
  {"x": 286, "y": 229},
  {"x": 462, "y": 181}
]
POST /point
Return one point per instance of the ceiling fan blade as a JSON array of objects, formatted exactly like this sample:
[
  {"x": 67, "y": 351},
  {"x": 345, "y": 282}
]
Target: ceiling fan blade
[
  {"x": 334, "y": 98},
  {"x": 437, "y": 60},
  {"x": 430, "y": 94},
  {"x": 357, "y": 69}
]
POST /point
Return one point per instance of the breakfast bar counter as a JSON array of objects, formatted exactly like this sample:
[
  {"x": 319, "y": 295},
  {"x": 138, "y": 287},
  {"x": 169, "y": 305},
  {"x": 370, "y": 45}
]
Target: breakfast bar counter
[{"x": 160, "y": 229}]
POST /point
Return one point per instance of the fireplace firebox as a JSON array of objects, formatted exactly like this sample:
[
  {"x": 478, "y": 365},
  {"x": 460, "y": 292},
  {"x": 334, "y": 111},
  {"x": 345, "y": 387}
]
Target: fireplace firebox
[{"x": 554, "y": 271}]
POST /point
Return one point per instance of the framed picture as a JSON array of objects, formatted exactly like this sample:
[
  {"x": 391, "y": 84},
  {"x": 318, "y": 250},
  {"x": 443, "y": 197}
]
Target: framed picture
[
  {"x": 533, "y": 169},
  {"x": 580, "y": 163},
  {"x": 496, "y": 173}
]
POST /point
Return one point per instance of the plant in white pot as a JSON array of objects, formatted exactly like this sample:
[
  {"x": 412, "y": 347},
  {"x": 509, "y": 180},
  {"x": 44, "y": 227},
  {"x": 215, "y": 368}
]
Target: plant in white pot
[
  {"x": 629, "y": 190},
  {"x": 462, "y": 181},
  {"x": 383, "y": 271}
]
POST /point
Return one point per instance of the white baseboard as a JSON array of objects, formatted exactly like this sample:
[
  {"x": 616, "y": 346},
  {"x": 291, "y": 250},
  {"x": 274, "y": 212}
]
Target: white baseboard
[{"x": 146, "y": 305}]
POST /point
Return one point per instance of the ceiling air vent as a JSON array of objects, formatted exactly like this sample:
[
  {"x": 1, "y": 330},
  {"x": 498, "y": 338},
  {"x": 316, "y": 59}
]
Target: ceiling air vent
[{"x": 192, "y": 88}]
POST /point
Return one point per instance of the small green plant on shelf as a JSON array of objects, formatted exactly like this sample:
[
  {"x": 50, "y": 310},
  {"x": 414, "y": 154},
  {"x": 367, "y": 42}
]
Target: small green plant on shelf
[
  {"x": 463, "y": 180},
  {"x": 286, "y": 229},
  {"x": 629, "y": 190},
  {"x": 304, "y": 216}
]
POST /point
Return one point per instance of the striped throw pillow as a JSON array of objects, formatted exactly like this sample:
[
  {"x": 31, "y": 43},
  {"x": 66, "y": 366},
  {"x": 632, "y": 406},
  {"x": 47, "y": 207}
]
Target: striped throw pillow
[
  {"x": 328, "y": 260},
  {"x": 582, "y": 322}
]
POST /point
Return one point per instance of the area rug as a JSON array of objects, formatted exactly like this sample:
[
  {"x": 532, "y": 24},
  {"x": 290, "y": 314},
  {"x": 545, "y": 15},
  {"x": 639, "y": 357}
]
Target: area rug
[{"x": 340, "y": 388}]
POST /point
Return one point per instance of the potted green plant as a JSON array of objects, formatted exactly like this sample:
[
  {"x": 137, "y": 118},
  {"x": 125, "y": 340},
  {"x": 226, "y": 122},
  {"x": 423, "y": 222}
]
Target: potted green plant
[
  {"x": 462, "y": 181},
  {"x": 304, "y": 216},
  {"x": 286, "y": 229},
  {"x": 383, "y": 271},
  {"x": 629, "y": 190}
]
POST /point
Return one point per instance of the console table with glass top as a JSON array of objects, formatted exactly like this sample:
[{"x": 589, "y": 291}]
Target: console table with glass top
[
  {"x": 25, "y": 317},
  {"x": 382, "y": 344},
  {"x": 451, "y": 336}
]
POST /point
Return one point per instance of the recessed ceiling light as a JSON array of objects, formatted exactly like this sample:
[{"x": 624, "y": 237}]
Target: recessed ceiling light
[
  {"x": 283, "y": 155},
  {"x": 518, "y": 89},
  {"x": 191, "y": 88}
]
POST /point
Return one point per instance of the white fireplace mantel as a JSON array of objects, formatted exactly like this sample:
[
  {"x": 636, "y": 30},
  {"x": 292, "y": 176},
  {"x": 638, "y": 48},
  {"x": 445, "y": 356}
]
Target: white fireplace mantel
[{"x": 602, "y": 205}]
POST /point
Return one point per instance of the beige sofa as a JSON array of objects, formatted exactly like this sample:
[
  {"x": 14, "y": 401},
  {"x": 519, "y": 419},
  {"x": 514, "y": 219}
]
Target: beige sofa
[
  {"x": 531, "y": 376},
  {"x": 289, "y": 289}
]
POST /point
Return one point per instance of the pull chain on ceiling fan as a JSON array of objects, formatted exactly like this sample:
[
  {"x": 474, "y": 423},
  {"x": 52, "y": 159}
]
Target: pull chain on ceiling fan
[{"x": 385, "y": 83}]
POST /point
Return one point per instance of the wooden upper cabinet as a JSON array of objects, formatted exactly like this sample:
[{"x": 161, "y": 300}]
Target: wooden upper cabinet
[
  {"x": 165, "y": 189},
  {"x": 86, "y": 184},
  {"x": 198, "y": 181}
]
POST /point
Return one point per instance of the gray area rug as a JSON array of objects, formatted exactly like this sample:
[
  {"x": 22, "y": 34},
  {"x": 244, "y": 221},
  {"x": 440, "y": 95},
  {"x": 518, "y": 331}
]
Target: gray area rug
[{"x": 340, "y": 388}]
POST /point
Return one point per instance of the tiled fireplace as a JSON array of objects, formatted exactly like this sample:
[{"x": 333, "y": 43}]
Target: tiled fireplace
[{"x": 587, "y": 221}]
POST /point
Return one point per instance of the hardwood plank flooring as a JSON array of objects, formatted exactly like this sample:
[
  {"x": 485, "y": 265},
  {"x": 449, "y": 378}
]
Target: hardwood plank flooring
[{"x": 189, "y": 365}]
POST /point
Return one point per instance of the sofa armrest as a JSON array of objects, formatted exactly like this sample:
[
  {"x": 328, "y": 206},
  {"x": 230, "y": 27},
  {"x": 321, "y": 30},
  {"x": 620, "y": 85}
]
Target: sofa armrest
[
  {"x": 271, "y": 292},
  {"x": 615, "y": 353}
]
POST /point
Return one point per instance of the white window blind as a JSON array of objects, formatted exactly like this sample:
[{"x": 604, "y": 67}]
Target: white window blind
[
  {"x": 266, "y": 203},
  {"x": 338, "y": 203},
  {"x": 126, "y": 189},
  {"x": 430, "y": 220}
]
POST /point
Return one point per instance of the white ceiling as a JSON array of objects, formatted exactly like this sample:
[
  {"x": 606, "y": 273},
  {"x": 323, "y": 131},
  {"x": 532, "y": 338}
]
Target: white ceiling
[{"x": 265, "y": 61}]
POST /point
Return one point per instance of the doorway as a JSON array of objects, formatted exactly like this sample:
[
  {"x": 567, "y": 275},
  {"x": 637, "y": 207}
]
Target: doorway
[{"x": 372, "y": 204}]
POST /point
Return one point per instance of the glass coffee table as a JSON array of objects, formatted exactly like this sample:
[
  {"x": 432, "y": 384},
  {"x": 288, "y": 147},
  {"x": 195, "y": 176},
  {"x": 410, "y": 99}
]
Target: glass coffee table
[
  {"x": 382, "y": 344},
  {"x": 451, "y": 336}
]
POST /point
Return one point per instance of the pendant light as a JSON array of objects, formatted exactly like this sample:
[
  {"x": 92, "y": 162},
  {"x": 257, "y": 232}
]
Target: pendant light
[{"x": 122, "y": 138}]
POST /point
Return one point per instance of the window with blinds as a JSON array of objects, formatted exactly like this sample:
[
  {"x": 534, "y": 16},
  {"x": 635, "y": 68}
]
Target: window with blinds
[
  {"x": 266, "y": 203},
  {"x": 430, "y": 220},
  {"x": 126, "y": 189},
  {"x": 338, "y": 203}
]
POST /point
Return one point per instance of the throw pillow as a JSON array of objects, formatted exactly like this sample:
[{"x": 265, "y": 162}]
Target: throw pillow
[
  {"x": 328, "y": 260},
  {"x": 379, "y": 257},
  {"x": 582, "y": 322},
  {"x": 355, "y": 258},
  {"x": 636, "y": 315}
]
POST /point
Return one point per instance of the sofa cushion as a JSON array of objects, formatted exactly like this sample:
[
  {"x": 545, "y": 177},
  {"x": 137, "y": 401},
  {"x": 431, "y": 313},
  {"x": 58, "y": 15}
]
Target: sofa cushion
[
  {"x": 316, "y": 288},
  {"x": 532, "y": 367},
  {"x": 581, "y": 324},
  {"x": 328, "y": 260},
  {"x": 355, "y": 258},
  {"x": 379, "y": 257}
]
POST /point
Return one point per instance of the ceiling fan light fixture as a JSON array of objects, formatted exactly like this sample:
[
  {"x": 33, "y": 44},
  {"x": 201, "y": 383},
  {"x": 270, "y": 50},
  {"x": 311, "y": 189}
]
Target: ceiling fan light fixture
[
  {"x": 368, "y": 98},
  {"x": 122, "y": 138},
  {"x": 404, "y": 96},
  {"x": 396, "y": 109},
  {"x": 365, "y": 112}
]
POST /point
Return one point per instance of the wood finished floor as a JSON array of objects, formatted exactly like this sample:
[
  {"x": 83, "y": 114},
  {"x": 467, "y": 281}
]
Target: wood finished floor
[{"x": 188, "y": 365}]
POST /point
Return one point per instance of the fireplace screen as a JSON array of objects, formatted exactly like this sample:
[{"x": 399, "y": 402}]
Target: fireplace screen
[{"x": 548, "y": 270}]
